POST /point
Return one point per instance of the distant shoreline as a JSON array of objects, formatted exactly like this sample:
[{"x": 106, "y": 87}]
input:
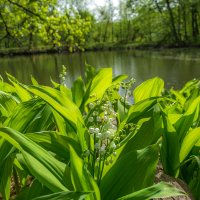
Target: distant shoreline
[{"x": 93, "y": 47}]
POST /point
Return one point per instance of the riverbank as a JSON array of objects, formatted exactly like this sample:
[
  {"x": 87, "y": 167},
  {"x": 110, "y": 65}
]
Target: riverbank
[
  {"x": 93, "y": 47},
  {"x": 26, "y": 51},
  {"x": 129, "y": 46}
]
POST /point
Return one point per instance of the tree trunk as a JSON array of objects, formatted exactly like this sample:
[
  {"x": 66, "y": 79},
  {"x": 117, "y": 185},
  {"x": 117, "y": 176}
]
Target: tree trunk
[
  {"x": 106, "y": 30},
  {"x": 172, "y": 23},
  {"x": 179, "y": 20},
  {"x": 183, "y": 8},
  {"x": 195, "y": 29}
]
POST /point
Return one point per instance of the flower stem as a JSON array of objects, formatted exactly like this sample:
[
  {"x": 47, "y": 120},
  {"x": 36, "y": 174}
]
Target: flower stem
[
  {"x": 94, "y": 156},
  {"x": 125, "y": 100},
  {"x": 101, "y": 172}
]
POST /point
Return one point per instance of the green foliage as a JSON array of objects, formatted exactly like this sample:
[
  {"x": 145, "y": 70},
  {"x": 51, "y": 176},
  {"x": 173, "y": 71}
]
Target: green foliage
[
  {"x": 160, "y": 190},
  {"x": 150, "y": 88},
  {"x": 64, "y": 195},
  {"x": 146, "y": 23},
  {"x": 136, "y": 163},
  {"x": 33, "y": 24},
  {"x": 90, "y": 142}
]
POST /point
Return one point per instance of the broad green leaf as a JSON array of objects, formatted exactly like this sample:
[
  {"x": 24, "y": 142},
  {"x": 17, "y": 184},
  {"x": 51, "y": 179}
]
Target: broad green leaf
[
  {"x": 7, "y": 103},
  {"x": 6, "y": 87},
  {"x": 62, "y": 88},
  {"x": 5, "y": 150},
  {"x": 198, "y": 143},
  {"x": 98, "y": 85},
  {"x": 66, "y": 91},
  {"x": 81, "y": 178},
  {"x": 20, "y": 90},
  {"x": 173, "y": 118},
  {"x": 30, "y": 116},
  {"x": 48, "y": 175},
  {"x": 150, "y": 88},
  {"x": 150, "y": 129},
  {"x": 195, "y": 93},
  {"x": 60, "y": 102},
  {"x": 90, "y": 73},
  {"x": 70, "y": 195},
  {"x": 83, "y": 136},
  {"x": 170, "y": 148},
  {"x": 189, "y": 142},
  {"x": 188, "y": 87},
  {"x": 34, "y": 81},
  {"x": 119, "y": 79},
  {"x": 138, "y": 110},
  {"x": 191, "y": 173},
  {"x": 36, "y": 189},
  {"x": 41, "y": 164},
  {"x": 5, "y": 178},
  {"x": 132, "y": 172},
  {"x": 63, "y": 125},
  {"x": 186, "y": 121},
  {"x": 54, "y": 142},
  {"x": 160, "y": 190},
  {"x": 78, "y": 91},
  {"x": 179, "y": 97}
]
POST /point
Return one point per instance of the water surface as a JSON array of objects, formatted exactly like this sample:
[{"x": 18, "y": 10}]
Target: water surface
[{"x": 174, "y": 66}]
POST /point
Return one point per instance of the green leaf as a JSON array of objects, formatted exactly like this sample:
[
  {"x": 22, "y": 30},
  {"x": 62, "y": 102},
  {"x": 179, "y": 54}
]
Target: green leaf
[
  {"x": 189, "y": 117},
  {"x": 5, "y": 174},
  {"x": 160, "y": 190},
  {"x": 54, "y": 142},
  {"x": 36, "y": 189},
  {"x": 64, "y": 196},
  {"x": 150, "y": 129},
  {"x": 81, "y": 178},
  {"x": 170, "y": 148},
  {"x": 34, "y": 81},
  {"x": 78, "y": 91},
  {"x": 42, "y": 165},
  {"x": 20, "y": 90},
  {"x": 5, "y": 150},
  {"x": 31, "y": 116},
  {"x": 150, "y": 88},
  {"x": 6, "y": 87},
  {"x": 133, "y": 171},
  {"x": 60, "y": 102},
  {"x": 138, "y": 110},
  {"x": 119, "y": 79},
  {"x": 7, "y": 103},
  {"x": 198, "y": 143},
  {"x": 189, "y": 142},
  {"x": 186, "y": 90},
  {"x": 63, "y": 125},
  {"x": 179, "y": 97},
  {"x": 98, "y": 85}
]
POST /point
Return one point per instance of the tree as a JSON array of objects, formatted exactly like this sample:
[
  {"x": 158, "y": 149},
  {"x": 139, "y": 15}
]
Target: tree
[{"x": 41, "y": 23}]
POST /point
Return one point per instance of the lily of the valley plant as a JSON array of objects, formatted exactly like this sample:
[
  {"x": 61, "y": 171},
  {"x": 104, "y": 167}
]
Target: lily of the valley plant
[{"x": 90, "y": 142}]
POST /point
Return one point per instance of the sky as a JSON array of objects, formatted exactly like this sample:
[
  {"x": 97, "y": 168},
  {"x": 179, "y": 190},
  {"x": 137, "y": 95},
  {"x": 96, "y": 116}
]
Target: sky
[{"x": 95, "y": 3}]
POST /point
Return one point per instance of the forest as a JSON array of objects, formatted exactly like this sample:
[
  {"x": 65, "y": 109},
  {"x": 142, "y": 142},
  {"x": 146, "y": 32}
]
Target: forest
[{"x": 73, "y": 25}]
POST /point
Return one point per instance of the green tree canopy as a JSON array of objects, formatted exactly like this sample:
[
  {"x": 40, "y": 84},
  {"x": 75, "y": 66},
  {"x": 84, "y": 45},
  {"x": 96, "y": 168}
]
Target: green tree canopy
[{"x": 31, "y": 23}]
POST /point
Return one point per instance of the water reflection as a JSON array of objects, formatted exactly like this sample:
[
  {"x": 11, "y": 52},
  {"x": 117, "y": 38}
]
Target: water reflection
[{"x": 174, "y": 66}]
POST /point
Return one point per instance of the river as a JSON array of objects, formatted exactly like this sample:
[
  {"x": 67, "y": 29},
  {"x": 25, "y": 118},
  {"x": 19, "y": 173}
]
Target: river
[{"x": 174, "y": 66}]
